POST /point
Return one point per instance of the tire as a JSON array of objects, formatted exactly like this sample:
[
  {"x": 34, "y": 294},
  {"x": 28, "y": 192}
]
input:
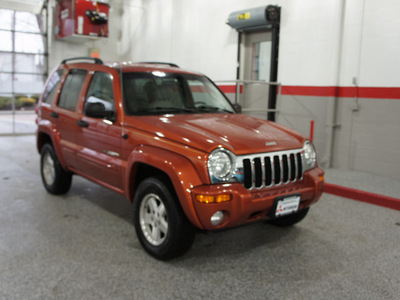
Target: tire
[
  {"x": 290, "y": 219},
  {"x": 55, "y": 179},
  {"x": 161, "y": 225}
]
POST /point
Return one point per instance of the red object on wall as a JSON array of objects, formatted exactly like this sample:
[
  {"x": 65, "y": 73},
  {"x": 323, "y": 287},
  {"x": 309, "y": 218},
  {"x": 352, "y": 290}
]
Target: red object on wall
[
  {"x": 81, "y": 18},
  {"x": 312, "y": 130}
]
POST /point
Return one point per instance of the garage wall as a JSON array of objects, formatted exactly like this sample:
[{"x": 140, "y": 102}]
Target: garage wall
[{"x": 337, "y": 65}]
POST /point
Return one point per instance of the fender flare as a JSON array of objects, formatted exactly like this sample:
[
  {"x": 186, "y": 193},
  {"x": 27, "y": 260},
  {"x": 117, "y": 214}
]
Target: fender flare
[
  {"x": 52, "y": 132},
  {"x": 178, "y": 168}
]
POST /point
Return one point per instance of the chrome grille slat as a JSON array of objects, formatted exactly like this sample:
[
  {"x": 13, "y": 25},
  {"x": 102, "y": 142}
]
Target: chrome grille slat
[{"x": 271, "y": 169}]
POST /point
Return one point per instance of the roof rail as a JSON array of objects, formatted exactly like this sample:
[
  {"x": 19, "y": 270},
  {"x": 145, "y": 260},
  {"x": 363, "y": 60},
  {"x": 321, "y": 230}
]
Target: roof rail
[
  {"x": 95, "y": 60},
  {"x": 159, "y": 63}
]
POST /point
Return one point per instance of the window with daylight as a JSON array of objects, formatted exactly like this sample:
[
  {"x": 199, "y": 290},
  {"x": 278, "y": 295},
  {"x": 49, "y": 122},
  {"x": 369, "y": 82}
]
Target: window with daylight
[{"x": 23, "y": 64}]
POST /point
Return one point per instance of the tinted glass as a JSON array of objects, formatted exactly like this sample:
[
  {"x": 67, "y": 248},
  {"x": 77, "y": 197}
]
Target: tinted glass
[
  {"x": 161, "y": 93},
  {"x": 101, "y": 90},
  {"x": 52, "y": 85},
  {"x": 71, "y": 89}
]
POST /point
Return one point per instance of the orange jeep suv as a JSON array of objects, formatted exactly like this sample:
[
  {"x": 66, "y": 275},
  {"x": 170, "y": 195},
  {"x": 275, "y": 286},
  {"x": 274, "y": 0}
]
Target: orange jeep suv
[{"x": 172, "y": 144}]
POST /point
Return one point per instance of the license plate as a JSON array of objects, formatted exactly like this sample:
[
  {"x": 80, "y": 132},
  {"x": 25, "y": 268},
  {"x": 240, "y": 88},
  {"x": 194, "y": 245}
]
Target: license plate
[{"x": 287, "y": 205}]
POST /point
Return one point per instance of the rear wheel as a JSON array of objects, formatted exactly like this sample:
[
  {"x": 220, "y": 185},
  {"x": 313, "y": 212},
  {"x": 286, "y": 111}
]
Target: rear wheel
[
  {"x": 161, "y": 226},
  {"x": 290, "y": 219},
  {"x": 55, "y": 179}
]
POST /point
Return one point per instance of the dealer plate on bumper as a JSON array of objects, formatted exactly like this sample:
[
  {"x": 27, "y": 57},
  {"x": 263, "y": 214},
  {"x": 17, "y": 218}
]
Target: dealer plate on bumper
[{"x": 287, "y": 205}]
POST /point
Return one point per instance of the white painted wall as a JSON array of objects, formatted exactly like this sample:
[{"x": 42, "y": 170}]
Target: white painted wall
[
  {"x": 372, "y": 42},
  {"x": 322, "y": 43},
  {"x": 194, "y": 35}
]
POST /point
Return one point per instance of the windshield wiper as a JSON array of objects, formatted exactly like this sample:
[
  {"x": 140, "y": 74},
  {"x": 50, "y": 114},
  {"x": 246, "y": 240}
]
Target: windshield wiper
[
  {"x": 212, "y": 108},
  {"x": 169, "y": 109}
]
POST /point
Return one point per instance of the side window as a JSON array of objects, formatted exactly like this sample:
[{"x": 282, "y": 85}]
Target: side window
[
  {"x": 71, "y": 89},
  {"x": 101, "y": 91},
  {"x": 52, "y": 85}
]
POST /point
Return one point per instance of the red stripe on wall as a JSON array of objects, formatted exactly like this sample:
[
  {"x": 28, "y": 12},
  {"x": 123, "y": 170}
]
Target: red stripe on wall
[
  {"x": 321, "y": 91},
  {"x": 343, "y": 92},
  {"x": 229, "y": 89},
  {"x": 380, "y": 93},
  {"x": 330, "y": 91}
]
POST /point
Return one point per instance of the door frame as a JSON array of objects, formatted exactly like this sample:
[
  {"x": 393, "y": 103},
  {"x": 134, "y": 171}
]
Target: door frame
[{"x": 274, "y": 28}]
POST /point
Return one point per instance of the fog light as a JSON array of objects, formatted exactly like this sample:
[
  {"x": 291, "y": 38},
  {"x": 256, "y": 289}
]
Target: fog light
[{"x": 217, "y": 218}]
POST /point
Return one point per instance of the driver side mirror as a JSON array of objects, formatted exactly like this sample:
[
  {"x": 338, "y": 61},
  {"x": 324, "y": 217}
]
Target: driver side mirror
[
  {"x": 98, "y": 110},
  {"x": 238, "y": 108}
]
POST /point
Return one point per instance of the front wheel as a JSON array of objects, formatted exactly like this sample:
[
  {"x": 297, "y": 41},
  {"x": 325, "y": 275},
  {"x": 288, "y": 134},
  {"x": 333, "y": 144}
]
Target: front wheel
[
  {"x": 161, "y": 226},
  {"x": 55, "y": 179},
  {"x": 290, "y": 219}
]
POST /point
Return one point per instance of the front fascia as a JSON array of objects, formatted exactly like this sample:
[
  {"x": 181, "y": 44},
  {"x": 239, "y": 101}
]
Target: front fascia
[{"x": 248, "y": 206}]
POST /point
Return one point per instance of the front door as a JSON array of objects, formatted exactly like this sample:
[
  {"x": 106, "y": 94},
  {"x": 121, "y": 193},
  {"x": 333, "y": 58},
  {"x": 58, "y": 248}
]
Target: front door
[
  {"x": 100, "y": 139},
  {"x": 256, "y": 68}
]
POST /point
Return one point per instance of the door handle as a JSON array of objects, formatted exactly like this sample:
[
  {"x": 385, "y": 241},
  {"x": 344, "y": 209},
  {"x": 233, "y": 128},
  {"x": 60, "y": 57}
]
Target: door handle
[
  {"x": 54, "y": 115},
  {"x": 82, "y": 123}
]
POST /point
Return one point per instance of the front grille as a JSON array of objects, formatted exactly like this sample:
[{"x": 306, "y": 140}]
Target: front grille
[{"x": 271, "y": 169}]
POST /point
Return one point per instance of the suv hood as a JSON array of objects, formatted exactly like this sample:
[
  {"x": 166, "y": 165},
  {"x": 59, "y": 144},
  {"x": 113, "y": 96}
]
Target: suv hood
[{"x": 239, "y": 133}]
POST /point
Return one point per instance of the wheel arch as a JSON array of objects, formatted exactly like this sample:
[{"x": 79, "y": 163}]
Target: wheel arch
[
  {"x": 47, "y": 135},
  {"x": 176, "y": 171},
  {"x": 42, "y": 139}
]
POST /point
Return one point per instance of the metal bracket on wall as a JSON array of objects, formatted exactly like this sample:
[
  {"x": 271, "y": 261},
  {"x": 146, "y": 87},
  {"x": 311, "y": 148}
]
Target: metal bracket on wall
[{"x": 334, "y": 126}]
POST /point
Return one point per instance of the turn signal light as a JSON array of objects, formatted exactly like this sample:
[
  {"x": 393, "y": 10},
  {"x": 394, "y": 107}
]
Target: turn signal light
[
  {"x": 223, "y": 198},
  {"x": 214, "y": 199}
]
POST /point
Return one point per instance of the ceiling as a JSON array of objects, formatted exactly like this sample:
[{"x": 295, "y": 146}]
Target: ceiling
[{"x": 34, "y": 6}]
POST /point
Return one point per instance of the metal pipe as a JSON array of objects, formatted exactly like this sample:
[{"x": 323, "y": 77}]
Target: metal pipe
[
  {"x": 238, "y": 68},
  {"x": 13, "y": 63},
  {"x": 333, "y": 102}
]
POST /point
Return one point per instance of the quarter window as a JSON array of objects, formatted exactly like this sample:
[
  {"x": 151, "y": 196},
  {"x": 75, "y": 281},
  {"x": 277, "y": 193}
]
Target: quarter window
[{"x": 52, "y": 86}]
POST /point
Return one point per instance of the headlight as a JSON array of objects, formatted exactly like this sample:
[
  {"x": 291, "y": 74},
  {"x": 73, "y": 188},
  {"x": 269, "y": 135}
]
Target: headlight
[
  {"x": 310, "y": 157},
  {"x": 221, "y": 165}
]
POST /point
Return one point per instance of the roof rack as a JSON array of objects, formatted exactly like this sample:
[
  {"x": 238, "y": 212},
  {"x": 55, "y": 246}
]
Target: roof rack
[
  {"x": 95, "y": 60},
  {"x": 159, "y": 63}
]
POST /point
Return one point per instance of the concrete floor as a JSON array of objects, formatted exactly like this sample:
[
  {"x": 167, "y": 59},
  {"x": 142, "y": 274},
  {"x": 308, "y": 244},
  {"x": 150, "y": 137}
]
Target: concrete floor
[
  {"x": 22, "y": 122},
  {"x": 83, "y": 246}
]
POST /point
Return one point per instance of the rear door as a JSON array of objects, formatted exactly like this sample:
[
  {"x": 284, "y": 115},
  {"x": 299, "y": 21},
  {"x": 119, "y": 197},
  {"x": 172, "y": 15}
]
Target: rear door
[{"x": 65, "y": 114}]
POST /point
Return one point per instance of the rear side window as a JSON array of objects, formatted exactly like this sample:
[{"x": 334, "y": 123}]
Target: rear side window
[
  {"x": 52, "y": 85},
  {"x": 71, "y": 89}
]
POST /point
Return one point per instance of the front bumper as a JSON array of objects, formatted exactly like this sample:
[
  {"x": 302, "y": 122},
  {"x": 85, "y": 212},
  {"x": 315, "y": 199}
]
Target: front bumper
[{"x": 248, "y": 206}]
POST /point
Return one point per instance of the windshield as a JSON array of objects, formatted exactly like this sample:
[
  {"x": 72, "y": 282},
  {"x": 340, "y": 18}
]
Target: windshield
[{"x": 170, "y": 93}]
